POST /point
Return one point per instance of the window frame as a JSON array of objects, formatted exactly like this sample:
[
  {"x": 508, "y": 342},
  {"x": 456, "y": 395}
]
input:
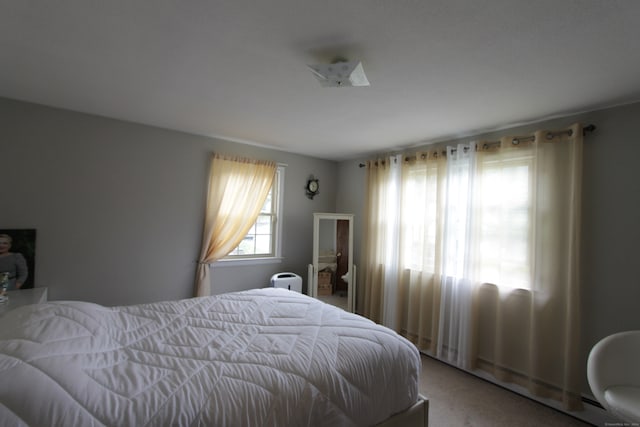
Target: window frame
[{"x": 276, "y": 255}]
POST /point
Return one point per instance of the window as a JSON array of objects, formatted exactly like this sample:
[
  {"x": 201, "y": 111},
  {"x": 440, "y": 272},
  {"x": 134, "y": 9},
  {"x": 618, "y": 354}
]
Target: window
[
  {"x": 505, "y": 230},
  {"x": 263, "y": 239},
  {"x": 420, "y": 218},
  {"x": 467, "y": 220}
]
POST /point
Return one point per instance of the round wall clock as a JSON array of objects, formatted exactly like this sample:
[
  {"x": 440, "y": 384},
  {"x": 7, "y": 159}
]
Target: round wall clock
[{"x": 313, "y": 187}]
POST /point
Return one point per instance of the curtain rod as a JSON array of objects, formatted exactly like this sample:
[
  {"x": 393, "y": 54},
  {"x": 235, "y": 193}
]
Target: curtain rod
[{"x": 516, "y": 141}]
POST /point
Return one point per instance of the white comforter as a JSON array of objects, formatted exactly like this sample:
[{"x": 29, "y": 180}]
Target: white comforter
[{"x": 265, "y": 357}]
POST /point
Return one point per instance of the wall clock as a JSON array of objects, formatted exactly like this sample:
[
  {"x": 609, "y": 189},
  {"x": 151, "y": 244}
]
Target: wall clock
[{"x": 313, "y": 187}]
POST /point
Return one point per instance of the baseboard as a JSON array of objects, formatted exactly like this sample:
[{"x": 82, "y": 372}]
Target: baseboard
[
  {"x": 593, "y": 413},
  {"x": 590, "y": 414}
]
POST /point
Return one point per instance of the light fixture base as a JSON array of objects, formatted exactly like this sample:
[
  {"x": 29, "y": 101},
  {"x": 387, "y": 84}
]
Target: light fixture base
[{"x": 340, "y": 74}]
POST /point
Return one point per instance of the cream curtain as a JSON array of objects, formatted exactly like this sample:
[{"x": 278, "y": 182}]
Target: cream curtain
[
  {"x": 375, "y": 237},
  {"x": 487, "y": 274},
  {"x": 237, "y": 190}
]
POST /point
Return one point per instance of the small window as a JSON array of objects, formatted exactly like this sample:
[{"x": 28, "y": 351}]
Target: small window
[{"x": 263, "y": 239}]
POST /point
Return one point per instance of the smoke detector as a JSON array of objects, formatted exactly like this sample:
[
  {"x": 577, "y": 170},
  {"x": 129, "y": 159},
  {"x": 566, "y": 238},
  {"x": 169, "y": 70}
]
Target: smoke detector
[{"x": 340, "y": 74}]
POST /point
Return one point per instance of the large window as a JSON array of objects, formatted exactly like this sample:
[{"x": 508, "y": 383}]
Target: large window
[
  {"x": 263, "y": 239},
  {"x": 480, "y": 221}
]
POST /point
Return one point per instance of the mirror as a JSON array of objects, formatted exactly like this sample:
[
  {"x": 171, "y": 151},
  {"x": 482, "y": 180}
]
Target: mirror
[
  {"x": 332, "y": 273},
  {"x": 17, "y": 259}
]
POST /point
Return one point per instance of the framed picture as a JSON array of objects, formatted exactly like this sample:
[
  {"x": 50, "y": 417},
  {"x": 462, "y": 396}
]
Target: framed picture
[{"x": 17, "y": 254}]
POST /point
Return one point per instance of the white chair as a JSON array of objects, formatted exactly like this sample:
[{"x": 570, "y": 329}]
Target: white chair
[{"x": 613, "y": 371}]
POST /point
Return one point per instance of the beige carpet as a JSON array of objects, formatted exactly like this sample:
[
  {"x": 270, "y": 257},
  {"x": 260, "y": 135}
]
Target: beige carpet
[{"x": 457, "y": 399}]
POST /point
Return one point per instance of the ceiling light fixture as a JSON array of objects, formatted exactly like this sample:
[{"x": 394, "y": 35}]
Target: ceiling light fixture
[{"x": 340, "y": 73}]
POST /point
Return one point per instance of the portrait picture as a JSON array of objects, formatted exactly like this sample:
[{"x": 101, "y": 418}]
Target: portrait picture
[{"x": 18, "y": 257}]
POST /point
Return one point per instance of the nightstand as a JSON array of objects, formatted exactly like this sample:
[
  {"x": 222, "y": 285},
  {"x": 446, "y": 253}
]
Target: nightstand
[{"x": 22, "y": 297}]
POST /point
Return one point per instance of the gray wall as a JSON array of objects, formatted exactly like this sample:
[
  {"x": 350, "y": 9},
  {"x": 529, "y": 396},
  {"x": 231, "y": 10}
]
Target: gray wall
[
  {"x": 119, "y": 207},
  {"x": 610, "y": 215}
]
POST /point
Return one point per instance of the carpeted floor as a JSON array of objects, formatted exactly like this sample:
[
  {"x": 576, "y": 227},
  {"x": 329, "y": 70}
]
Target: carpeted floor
[{"x": 458, "y": 399}]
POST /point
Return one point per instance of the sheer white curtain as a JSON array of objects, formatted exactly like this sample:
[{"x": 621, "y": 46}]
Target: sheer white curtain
[
  {"x": 456, "y": 279},
  {"x": 487, "y": 257},
  {"x": 392, "y": 249}
]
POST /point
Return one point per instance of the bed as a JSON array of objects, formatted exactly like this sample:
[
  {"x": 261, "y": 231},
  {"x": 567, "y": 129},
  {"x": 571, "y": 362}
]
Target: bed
[{"x": 264, "y": 357}]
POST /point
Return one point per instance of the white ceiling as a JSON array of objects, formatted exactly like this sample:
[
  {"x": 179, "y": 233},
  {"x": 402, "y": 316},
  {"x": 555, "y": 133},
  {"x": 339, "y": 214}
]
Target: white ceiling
[{"x": 237, "y": 68}]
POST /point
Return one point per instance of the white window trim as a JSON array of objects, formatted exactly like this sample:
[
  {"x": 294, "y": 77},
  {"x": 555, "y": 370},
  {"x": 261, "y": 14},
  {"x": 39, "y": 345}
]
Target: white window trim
[
  {"x": 247, "y": 261},
  {"x": 277, "y": 257}
]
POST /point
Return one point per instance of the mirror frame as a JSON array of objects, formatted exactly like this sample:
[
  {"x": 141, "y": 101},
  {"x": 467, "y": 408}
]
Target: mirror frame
[{"x": 312, "y": 288}]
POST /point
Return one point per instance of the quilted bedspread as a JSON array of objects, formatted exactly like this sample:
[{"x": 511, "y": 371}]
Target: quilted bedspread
[{"x": 264, "y": 357}]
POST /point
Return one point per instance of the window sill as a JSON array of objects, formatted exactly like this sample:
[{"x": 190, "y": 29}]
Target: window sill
[{"x": 246, "y": 261}]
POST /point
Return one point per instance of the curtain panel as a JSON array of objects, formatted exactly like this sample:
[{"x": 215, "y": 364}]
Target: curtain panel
[
  {"x": 487, "y": 268},
  {"x": 237, "y": 190}
]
